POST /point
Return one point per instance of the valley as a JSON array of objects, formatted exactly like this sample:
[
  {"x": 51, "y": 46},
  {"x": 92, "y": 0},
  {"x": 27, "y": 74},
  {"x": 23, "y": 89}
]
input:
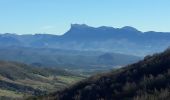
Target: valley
[{"x": 81, "y": 62}]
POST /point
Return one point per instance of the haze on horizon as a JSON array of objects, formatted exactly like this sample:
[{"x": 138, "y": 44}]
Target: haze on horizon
[{"x": 55, "y": 17}]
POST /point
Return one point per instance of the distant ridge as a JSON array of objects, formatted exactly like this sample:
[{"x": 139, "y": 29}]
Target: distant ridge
[{"x": 129, "y": 28}]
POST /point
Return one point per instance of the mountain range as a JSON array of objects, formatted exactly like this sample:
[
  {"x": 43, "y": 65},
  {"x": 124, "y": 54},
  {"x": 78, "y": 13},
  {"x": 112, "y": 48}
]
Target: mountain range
[{"x": 84, "y": 37}]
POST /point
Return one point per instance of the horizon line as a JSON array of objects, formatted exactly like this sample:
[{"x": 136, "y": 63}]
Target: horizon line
[{"x": 83, "y": 24}]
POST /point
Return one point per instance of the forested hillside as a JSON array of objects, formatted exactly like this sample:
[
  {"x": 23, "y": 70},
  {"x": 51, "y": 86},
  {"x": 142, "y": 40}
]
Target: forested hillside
[{"x": 148, "y": 79}]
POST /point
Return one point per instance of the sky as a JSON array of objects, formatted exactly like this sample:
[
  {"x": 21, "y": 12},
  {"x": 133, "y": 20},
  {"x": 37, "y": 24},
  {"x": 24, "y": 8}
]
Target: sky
[{"x": 55, "y": 16}]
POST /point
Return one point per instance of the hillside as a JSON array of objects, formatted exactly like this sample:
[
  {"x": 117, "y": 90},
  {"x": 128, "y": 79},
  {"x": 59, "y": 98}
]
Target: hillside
[
  {"x": 18, "y": 80},
  {"x": 148, "y": 79}
]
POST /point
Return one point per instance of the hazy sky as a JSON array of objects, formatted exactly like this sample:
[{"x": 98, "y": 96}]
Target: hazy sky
[{"x": 55, "y": 16}]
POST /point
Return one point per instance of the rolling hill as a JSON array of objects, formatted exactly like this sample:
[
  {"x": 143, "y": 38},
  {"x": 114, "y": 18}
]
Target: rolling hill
[
  {"x": 19, "y": 80},
  {"x": 148, "y": 79}
]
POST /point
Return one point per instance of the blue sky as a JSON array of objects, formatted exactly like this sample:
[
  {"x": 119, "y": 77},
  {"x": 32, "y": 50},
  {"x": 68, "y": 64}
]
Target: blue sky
[{"x": 55, "y": 16}]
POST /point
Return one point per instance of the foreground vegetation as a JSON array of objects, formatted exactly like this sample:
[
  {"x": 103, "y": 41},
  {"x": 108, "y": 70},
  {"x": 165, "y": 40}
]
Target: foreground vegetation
[{"x": 148, "y": 79}]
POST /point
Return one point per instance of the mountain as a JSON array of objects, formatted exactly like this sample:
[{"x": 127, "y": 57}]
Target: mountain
[
  {"x": 119, "y": 40},
  {"x": 148, "y": 79},
  {"x": 18, "y": 80},
  {"x": 105, "y": 39},
  {"x": 101, "y": 33},
  {"x": 72, "y": 60}
]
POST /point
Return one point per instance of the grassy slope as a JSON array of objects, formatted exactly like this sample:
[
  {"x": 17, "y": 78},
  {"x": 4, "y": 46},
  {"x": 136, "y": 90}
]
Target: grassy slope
[
  {"x": 12, "y": 94},
  {"x": 18, "y": 79}
]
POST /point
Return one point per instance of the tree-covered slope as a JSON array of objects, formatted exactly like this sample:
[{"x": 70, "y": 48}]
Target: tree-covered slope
[{"x": 148, "y": 79}]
